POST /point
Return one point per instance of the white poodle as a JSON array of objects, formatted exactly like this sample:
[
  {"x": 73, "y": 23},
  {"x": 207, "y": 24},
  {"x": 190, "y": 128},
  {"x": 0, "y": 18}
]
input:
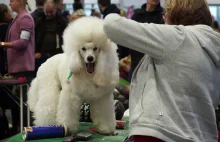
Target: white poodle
[{"x": 92, "y": 60}]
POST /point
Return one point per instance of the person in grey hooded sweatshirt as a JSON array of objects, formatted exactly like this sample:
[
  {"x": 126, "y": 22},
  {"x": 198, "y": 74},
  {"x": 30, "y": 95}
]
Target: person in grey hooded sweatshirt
[{"x": 175, "y": 87}]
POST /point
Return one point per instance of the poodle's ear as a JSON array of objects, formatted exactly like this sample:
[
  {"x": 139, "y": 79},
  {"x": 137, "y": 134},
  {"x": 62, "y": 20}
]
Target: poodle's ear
[
  {"x": 106, "y": 70},
  {"x": 75, "y": 62}
]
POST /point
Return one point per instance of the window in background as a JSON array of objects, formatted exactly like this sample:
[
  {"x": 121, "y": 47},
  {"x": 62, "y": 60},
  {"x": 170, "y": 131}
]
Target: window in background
[
  {"x": 88, "y": 8},
  {"x": 69, "y": 7},
  {"x": 215, "y": 11}
]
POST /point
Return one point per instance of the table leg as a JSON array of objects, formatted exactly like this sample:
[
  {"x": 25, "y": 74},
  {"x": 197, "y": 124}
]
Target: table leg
[
  {"x": 28, "y": 110},
  {"x": 21, "y": 107}
]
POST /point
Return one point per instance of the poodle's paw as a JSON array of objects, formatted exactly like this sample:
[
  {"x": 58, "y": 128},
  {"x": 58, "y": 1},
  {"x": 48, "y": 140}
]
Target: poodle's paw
[
  {"x": 105, "y": 127},
  {"x": 72, "y": 128}
]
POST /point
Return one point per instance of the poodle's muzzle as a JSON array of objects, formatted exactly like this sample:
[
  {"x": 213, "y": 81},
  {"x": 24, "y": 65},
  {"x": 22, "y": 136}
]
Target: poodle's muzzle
[{"x": 90, "y": 64}]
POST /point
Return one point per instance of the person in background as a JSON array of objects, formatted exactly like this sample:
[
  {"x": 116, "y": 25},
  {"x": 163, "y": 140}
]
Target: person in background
[
  {"x": 20, "y": 40},
  {"x": 49, "y": 31},
  {"x": 39, "y": 12},
  {"x": 77, "y": 5},
  {"x": 59, "y": 6},
  {"x": 95, "y": 13},
  {"x": 77, "y": 14},
  {"x": 106, "y": 8},
  {"x": 5, "y": 20},
  {"x": 19, "y": 46},
  {"x": 66, "y": 15},
  {"x": 150, "y": 12},
  {"x": 60, "y": 9},
  {"x": 175, "y": 88},
  {"x": 78, "y": 11},
  {"x": 215, "y": 24}
]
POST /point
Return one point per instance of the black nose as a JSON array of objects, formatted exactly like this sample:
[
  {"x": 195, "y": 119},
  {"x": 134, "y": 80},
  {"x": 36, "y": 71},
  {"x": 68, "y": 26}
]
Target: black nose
[{"x": 90, "y": 58}]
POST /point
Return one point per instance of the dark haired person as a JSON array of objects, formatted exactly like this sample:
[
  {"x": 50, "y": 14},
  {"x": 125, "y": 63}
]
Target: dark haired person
[
  {"x": 59, "y": 5},
  {"x": 150, "y": 12},
  {"x": 5, "y": 20},
  {"x": 19, "y": 41},
  {"x": 106, "y": 8},
  {"x": 39, "y": 12},
  {"x": 77, "y": 5},
  {"x": 49, "y": 31},
  {"x": 19, "y": 46},
  {"x": 175, "y": 88}
]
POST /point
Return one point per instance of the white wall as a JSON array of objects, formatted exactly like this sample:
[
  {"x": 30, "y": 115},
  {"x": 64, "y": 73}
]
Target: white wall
[
  {"x": 128, "y": 3},
  {"x": 30, "y": 2},
  {"x": 91, "y": 1},
  {"x": 214, "y": 1},
  {"x": 140, "y": 2},
  {"x": 125, "y": 3},
  {"x": 4, "y": 1}
]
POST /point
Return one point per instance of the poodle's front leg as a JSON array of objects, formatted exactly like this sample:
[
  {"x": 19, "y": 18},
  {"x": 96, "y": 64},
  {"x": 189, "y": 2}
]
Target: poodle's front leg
[
  {"x": 103, "y": 114},
  {"x": 69, "y": 110}
]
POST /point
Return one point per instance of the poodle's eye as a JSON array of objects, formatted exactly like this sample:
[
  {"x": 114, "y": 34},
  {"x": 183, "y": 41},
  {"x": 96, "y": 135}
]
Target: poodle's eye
[
  {"x": 95, "y": 48},
  {"x": 84, "y": 49}
]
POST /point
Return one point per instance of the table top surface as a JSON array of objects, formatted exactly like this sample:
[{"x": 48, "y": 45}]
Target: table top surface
[
  {"x": 12, "y": 82},
  {"x": 17, "y": 82},
  {"x": 84, "y": 127}
]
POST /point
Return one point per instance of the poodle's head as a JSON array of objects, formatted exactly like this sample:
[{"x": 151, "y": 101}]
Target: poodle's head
[
  {"x": 88, "y": 49},
  {"x": 84, "y": 40},
  {"x": 89, "y": 54}
]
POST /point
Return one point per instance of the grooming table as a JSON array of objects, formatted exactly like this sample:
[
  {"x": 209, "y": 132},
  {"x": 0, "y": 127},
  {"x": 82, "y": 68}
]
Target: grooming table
[
  {"x": 83, "y": 127},
  {"x": 4, "y": 84}
]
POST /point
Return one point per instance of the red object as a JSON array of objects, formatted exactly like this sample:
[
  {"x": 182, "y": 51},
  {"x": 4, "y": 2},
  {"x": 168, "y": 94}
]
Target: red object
[
  {"x": 93, "y": 129},
  {"x": 123, "y": 74},
  {"x": 21, "y": 79},
  {"x": 218, "y": 136},
  {"x": 146, "y": 139},
  {"x": 120, "y": 124},
  {"x": 96, "y": 131}
]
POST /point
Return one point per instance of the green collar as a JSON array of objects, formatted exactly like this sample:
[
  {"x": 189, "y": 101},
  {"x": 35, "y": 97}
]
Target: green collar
[{"x": 70, "y": 75}]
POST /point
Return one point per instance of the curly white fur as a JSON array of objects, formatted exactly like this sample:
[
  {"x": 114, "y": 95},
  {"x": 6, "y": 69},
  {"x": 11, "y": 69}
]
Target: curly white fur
[{"x": 54, "y": 101}]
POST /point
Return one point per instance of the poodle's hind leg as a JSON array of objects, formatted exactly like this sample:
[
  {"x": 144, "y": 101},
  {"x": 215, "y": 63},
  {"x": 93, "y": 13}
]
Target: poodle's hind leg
[
  {"x": 46, "y": 107},
  {"x": 45, "y": 110},
  {"x": 32, "y": 95},
  {"x": 69, "y": 110},
  {"x": 103, "y": 114}
]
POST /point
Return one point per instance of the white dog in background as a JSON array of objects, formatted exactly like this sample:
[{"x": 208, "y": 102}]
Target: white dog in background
[{"x": 92, "y": 60}]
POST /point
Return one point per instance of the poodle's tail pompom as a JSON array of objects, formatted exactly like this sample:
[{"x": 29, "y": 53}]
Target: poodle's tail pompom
[{"x": 33, "y": 94}]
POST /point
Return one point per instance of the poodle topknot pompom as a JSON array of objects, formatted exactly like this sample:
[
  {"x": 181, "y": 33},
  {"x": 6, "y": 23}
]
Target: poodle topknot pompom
[{"x": 85, "y": 29}]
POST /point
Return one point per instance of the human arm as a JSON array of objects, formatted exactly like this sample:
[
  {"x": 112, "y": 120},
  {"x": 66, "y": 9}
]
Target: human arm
[
  {"x": 152, "y": 39},
  {"x": 6, "y": 44},
  {"x": 25, "y": 27}
]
